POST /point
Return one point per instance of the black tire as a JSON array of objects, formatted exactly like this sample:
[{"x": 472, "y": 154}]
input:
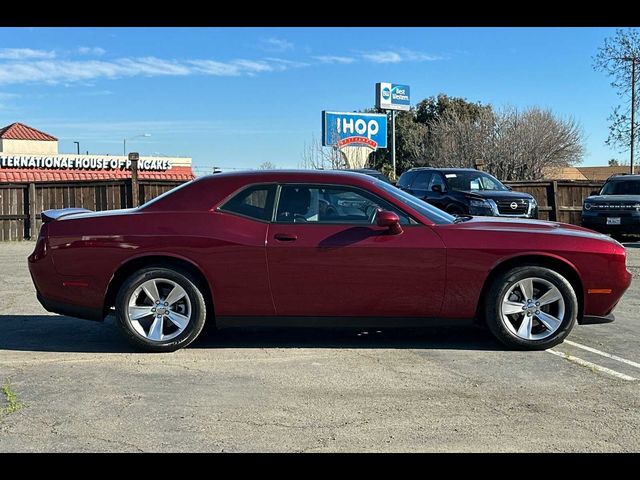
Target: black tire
[
  {"x": 197, "y": 305},
  {"x": 500, "y": 287}
]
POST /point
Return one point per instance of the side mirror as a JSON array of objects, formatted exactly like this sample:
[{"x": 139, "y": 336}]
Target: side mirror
[
  {"x": 509, "y": 188},
  {"x": 389, "y": 220},
  {"x": 436, "y": 188},
  {"x": 595, "y": 192}
]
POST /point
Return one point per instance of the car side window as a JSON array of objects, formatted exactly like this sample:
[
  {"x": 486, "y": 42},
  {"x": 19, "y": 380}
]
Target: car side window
[
  {"x": 489, "y": 184},
  {"x": 436, "y": 179},
  {"x": 421, "y": 182},
  {"x": 330, "y": 204},
  {"x": 253, "y": 202},
  {"x": 405, "y": 179}
]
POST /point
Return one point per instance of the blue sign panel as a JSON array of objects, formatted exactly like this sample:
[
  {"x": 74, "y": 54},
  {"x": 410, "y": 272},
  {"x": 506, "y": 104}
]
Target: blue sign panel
[
  {"x": 348, "y": 128},
  {"x": 391, "y": 96}
]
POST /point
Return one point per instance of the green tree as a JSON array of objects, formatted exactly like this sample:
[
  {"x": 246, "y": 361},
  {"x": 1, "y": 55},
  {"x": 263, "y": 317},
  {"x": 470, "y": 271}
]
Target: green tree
[
  {"x": 414, "y": 130},
  {"x": 431, "y": 110}
]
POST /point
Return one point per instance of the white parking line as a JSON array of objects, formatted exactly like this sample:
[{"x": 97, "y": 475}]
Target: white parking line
[
  {"x": 604, "y": 354},
  {"x": 593, "y": 366}
]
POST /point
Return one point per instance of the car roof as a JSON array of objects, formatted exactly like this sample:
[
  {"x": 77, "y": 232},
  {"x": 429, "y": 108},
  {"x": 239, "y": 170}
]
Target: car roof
[
  {"x": 289, "y": 175},
  {"x": 202, "y": 192},
  {"x": 443, "y": 169},
  {"x": 623, "y": 177}
]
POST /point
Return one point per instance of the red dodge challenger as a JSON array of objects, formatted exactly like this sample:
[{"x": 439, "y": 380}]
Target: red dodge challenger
[{"x": 302, "y": 248}]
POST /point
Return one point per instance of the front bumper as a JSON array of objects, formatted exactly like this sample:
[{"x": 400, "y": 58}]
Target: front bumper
[
  {"x": 628, "y": 223},
  {"x": 596, "y": 319}
]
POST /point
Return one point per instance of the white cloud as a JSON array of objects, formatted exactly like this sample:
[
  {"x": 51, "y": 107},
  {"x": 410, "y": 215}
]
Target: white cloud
[
  {"x": 213, "y": 67},
  {"x": 335, "y": 59},
  {"x": 274, "y": 44},
  {"x": 74, "y": 71},
  {"x": 382, "y": 57},
  {"x": 397, "y": 56},
  {"x": 97, "y": 51},
  {"x": 36, "y": 66},
  {"x": 24, "y": 53}
]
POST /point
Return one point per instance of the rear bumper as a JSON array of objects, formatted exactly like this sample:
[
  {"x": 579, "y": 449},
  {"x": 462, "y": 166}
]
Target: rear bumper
[
  {"x": 596, "y": 319},
  {"x": 69, "y": 310}
]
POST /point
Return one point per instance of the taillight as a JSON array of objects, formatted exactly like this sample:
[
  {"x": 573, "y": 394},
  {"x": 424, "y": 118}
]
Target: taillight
[{"x": 41, "y": 244}]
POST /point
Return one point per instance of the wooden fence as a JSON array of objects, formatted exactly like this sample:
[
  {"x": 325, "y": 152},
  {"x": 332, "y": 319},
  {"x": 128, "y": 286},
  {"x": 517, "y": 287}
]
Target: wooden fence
[
  {"x": 21, "y": 203},
  {"x": 558, "y": 200}
]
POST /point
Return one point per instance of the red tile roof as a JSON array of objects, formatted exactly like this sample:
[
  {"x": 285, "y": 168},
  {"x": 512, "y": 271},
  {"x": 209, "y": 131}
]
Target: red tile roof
[
  {"x": 20, "y": 131},
  {"x": 12, "y": 175}
]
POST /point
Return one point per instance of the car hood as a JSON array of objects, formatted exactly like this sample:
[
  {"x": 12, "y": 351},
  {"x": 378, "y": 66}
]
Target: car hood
[
  {"x": 614, "y": 198},
  {"x": 495, "y": 194},
  {"x": 498, "y": 224}
]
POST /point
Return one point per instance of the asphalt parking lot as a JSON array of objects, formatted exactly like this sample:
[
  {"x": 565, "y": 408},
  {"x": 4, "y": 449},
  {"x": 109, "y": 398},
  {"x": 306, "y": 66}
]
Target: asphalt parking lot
[{"x": 73, "y": 385}]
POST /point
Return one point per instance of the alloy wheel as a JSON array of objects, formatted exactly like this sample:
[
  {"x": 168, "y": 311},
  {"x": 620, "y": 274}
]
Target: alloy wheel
[
  {"x": 533, "y": 308},
  {"x": 159, "y": 309}
]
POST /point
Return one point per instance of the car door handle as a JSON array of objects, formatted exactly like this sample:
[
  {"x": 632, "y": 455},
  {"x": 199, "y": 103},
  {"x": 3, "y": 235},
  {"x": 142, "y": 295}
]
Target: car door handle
[{"x": 285, "y": 237}]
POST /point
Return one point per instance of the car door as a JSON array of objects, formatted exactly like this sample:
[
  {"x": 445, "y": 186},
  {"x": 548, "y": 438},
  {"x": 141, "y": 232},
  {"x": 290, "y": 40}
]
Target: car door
[
  {"x": 239, "y": 263},
  {"x": 436, "y": 196},
  {"x": 326, "y": 257},
  {"x": 420, "y": 184}
]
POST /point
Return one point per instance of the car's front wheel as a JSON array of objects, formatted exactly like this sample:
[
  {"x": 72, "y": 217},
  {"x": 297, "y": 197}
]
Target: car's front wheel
[
  {"x": 160, "y": 309},
  {"x": 531, "y": 307}
]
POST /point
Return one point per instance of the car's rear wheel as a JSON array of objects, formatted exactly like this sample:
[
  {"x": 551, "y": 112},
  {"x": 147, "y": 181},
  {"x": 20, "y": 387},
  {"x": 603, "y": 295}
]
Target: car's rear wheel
[
  {"x": 531, "y": 307},
  {"x": 160, "y": 309}
]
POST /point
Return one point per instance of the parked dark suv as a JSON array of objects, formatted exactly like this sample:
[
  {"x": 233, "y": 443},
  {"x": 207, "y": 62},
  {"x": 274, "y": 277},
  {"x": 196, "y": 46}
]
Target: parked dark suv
[
  {"x": 467, "y": 191},
  {"x": 615, "y": 209}
]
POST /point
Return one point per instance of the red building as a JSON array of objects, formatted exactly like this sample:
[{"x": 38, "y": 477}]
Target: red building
[{"x": 30, "y": 155}]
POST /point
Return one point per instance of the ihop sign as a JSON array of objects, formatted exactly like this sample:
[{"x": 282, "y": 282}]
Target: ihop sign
[{"x": 343, "y": 129}]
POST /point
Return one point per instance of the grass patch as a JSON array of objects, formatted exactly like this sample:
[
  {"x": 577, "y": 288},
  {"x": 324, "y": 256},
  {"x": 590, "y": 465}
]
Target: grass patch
[{"x": 13, "y": 405}]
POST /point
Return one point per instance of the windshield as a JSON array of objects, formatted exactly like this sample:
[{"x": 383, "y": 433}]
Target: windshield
[
  {"x": 429, "y": 211},
  {"x": 473, "y": 181},
  {"x": 628, "y": 187}
]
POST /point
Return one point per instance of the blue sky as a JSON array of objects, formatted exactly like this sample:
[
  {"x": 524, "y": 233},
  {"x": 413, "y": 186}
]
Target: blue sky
[{"x": 236, "y": 97}]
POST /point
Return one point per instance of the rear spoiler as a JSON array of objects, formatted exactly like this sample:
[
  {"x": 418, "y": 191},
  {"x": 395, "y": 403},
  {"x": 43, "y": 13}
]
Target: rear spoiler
[{"x": 51, "y": 215}]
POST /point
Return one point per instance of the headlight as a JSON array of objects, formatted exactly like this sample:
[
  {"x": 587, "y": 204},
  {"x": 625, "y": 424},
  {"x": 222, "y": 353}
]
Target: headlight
[
  {"x": 479, "y": 203},
  {"x": 533, "y": 202},
  {"x": 587, "y": 206}
]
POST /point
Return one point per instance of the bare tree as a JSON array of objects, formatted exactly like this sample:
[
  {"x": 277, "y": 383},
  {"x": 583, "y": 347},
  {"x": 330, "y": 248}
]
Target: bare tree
[
  {"x": 315, "y": 156},
  {"x": 267, "y": 166},
  {"x": 617, "y": 57},
  {"x": 512, "y": 145}
]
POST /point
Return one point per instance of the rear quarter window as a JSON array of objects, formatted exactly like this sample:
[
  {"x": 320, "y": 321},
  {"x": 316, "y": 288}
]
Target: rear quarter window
[{"x": 254, "y": 202}]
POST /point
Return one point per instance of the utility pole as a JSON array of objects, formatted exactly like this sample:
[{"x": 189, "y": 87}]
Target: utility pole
[
  {"x": 633, "y": 107},
  {"x": 393, "y": 143},
  {"x": 633, "y": 59}
]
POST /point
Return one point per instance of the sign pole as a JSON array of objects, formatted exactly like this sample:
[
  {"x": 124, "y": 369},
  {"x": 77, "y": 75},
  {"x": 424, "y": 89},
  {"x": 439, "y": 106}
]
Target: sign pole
[
  {"x": 393, "y": 143},
  {"x": 135, "y": 195}
]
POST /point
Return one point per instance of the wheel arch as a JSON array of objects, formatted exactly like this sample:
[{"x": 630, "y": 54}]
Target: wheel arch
[
  {"x": 555, "y": 263},
  {"x": 126, "y": 269}
]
